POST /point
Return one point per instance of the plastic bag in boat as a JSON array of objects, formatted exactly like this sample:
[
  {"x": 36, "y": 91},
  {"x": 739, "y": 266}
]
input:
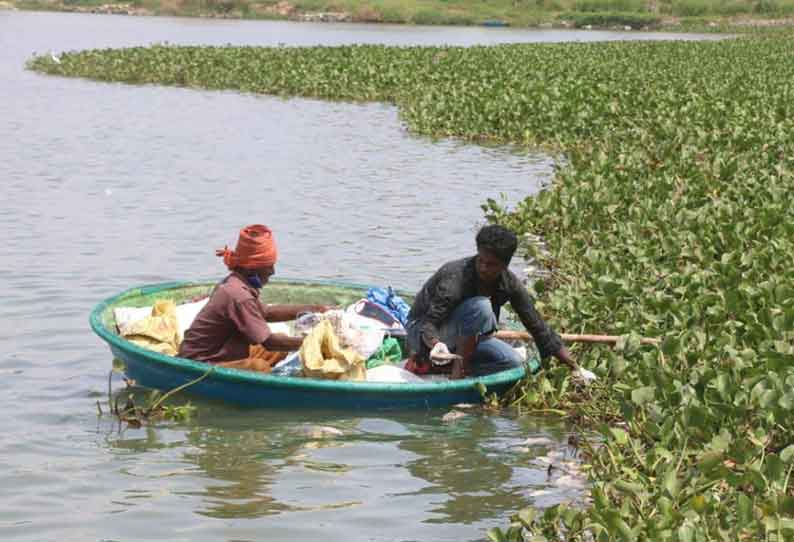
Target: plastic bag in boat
[
  {"x": 289, "y": 366},
  {"x": 369, "y": 309},
  {"x": 158, "y": 332},
  {"x": 185, "y": 314},
  {"x": 362, "y": 334},
  {"x": 390, "y": 373},
  {"x": 323, "y": 356},
  {"x": 389, "y": 300},
  {"x": 387, "y": 353}
]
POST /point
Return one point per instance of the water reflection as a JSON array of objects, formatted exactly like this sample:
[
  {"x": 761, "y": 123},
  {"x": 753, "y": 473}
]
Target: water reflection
[
  {"x": 240, "y": 475},
  {"x": 263, "y": 464},
  {"x": 475, "y": 468},
  {"x": 473, "y": 485}
]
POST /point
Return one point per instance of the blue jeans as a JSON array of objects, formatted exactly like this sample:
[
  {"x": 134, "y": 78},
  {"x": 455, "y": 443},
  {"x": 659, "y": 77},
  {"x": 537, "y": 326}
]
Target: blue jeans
[{"x": 472, "y": 318}]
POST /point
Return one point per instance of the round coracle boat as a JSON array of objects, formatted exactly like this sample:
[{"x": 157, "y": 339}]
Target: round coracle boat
[{"x": 253, "y": 389}]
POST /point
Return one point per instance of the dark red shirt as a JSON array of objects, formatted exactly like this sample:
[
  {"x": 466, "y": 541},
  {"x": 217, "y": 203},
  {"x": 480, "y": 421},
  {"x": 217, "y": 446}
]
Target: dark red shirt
[{"x": 231, "y": 321}]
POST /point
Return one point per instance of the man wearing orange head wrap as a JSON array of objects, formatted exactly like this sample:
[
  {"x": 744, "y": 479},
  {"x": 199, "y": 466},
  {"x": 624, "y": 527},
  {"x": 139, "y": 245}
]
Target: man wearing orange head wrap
[{"x": 232, "y": 330}]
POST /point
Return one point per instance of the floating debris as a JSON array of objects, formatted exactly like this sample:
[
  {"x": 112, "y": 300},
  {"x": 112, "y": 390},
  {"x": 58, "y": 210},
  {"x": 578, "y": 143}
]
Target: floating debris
[
  {"x": 323, "y": 466},
  {"x": 453, "y": 415},
  {"x": 135, "y": 416},
  {"x": 539, "y": 441},
  {"x": 322, "y": 431}
]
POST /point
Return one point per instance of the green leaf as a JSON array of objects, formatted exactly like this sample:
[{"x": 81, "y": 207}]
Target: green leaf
[
  {"x": 686, "y": 533},
  {"x": 787, "y": 455},
  {"x": 744, "y": 509},
  {"x": 630, "y": 488},
  {"x": 526, "y": 516},
  {"x": 786, "y": 401},
  {"x": 643, "y": 395},
  {"x": 775, "y": 469},
  {"x": 767, "y": 398},
  {"x": 709, "y": 460},
  {"x": 495, "y": 534},
  {"x": 620, "y": 435},
  {"x": 721, "y": 441},
  {"x": 671, "y": 483},
  {"x": 618, "y": 526},
  {"x": 698, "y": 503},
  {"x": 723, "y": 386},
  {"x": 752, "y": 476},
  {"x": 786, "y": 505},
  {"x": 671, "y": 346}
]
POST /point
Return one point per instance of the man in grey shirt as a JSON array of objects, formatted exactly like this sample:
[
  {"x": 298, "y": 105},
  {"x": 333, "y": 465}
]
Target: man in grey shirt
[{"x": 457, "y": 310}]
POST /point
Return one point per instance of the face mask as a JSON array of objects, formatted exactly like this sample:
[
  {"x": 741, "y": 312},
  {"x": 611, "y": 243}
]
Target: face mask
[{"x": 255, "y": 281}]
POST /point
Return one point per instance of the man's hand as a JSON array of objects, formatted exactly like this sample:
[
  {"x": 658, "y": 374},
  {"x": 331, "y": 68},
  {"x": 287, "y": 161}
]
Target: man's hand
[
  {"x": 578, "y": 373},
  {"x": 584, "y": 375},
  {"x": 279, "y": 342},
  {"x": 440, "y": 354},
  {"x": 565, "y": 356}
]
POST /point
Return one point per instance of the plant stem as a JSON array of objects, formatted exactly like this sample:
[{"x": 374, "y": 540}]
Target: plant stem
[{"x": 178, "y": 389}]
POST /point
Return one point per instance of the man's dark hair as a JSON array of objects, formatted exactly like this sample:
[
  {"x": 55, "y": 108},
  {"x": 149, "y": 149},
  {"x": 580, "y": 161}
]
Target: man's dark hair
[{"x": 498, "y": 240}]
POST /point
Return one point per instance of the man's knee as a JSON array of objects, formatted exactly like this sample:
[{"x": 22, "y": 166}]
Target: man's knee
[
  {"x": 478, "y": 316},
  {"x": 493, "y": 356},
  {"x": 478, "y": 305}
]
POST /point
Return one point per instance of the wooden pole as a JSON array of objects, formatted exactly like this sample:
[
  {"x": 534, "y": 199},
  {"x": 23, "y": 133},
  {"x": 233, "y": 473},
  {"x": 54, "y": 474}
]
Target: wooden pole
[{"x": 509, "y": 335}]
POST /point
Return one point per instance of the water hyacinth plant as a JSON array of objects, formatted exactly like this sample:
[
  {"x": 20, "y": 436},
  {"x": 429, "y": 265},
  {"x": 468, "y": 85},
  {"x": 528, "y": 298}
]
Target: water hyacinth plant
[{"x": 670, "y": 217}]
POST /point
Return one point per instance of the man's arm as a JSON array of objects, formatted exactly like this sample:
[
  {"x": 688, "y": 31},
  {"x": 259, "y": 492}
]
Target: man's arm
[
  {"x": 279, "y": 342},
  {"x": 440, "y": 307},
  {"x": 547, "y": 341},
  {"x": 565, "y": 356},
  {"x": 285, "y": 313}
]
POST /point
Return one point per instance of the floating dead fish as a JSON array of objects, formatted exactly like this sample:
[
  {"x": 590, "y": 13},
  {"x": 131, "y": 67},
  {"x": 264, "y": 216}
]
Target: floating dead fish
[
  {"x": 324, "y": 466},
  {"x": 539, "y": 441},
  {"x": 453, "y": 415},
  {"x": 571, "y": 481},
  {"x": 322, "y": 431}
]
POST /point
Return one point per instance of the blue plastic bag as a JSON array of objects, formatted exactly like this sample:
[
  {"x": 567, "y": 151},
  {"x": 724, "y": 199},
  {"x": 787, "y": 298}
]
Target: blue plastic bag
[
  {"x": 386, "y": 298},
  {"x": 289, "y": 366}
]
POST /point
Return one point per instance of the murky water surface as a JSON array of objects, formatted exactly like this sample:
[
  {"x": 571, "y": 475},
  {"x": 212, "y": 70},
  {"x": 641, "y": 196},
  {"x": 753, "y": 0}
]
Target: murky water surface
[{"x": 108, "y": 186}]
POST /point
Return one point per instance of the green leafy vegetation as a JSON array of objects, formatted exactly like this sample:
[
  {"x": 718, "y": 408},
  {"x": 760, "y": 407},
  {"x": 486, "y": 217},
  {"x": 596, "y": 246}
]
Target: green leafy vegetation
[
  {"x": 670, "y": 216},
  {"x": 609, "y": 19},
  {"x": 670, "y": 14},
  {"x": 154, "y": 408}
]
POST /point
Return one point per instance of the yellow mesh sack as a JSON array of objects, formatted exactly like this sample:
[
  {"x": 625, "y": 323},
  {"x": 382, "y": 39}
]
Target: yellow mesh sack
[
  {"x": 323, "y": 357},
  {"x": 158, "y": 332}
]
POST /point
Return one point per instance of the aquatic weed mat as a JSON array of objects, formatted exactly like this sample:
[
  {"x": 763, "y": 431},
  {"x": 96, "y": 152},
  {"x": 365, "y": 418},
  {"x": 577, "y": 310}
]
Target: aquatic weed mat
[{"x": 671, "y": 217}]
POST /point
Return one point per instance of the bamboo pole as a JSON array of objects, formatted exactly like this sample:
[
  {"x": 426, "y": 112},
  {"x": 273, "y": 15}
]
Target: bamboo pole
[{"x": 509, "y": 335}]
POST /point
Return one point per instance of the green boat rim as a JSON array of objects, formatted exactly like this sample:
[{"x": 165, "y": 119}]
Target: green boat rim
[{"x": 305, "y": 384}]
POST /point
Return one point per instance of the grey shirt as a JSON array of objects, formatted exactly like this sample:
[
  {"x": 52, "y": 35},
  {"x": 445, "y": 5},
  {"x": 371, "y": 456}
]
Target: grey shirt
[{"x": 457, "y": 281}]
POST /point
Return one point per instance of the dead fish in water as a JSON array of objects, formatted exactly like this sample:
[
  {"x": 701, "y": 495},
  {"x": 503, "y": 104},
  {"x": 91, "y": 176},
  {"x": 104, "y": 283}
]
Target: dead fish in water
[
  {"x": 453, "y": 415},
  {"x": 322, "y": 431},
  {"x": 539, "y": 441}
]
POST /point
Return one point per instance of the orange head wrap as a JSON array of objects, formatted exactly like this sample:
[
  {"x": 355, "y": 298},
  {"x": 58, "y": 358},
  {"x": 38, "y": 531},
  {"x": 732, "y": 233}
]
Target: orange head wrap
[{"x": 255, "y": 249}]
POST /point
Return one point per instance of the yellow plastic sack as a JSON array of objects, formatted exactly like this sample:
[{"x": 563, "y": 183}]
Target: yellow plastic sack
[
  {"x": 323, "y": 357},
  {"x": 158, "y": 332}
]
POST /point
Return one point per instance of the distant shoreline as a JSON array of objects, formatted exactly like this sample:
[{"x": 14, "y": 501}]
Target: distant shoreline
[{"x": 501, "y": 13}]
